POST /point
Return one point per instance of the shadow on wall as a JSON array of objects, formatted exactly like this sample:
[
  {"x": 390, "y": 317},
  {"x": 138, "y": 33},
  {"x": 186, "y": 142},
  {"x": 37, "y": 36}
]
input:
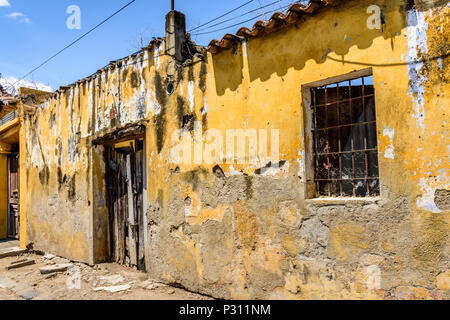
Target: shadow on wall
[
  {"x": 228, "y": 71},
  {"x": 333, "y": 30}
]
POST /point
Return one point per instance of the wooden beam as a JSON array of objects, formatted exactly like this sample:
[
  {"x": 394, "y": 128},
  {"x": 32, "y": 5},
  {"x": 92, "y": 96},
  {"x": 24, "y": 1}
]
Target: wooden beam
[
  {"x": 128, "y": 133},
  {"x": 132, "y": 248}
]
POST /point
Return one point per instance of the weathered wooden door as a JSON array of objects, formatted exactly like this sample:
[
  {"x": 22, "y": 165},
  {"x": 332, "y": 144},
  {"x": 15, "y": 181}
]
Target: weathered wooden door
[
  {"x": 13, "y": 196},
  {"x": 125, "y": 186}
]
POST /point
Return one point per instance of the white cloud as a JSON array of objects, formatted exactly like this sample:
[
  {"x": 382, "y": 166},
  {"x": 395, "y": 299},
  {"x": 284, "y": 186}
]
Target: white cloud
[
  {"x": 11, "y": 85},
  {"x": 15, "y": 15},
  {"x": 19, "y": 16},
  {"x": 4, "y": 3}
]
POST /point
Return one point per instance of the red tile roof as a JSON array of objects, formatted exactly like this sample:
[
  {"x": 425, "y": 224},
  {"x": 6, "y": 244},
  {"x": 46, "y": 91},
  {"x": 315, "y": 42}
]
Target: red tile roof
[{"x": 277, "y": 21}]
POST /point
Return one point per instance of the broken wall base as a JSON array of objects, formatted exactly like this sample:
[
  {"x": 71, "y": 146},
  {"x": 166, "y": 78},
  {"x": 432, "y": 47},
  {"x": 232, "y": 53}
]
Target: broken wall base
[{"x": 244, "y": 237}]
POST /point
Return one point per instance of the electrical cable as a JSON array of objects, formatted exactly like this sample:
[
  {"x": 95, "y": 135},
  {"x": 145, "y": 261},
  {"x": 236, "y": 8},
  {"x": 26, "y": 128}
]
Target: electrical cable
[
  {"x": 223, "y": 15},
  {"x": 240, "y": 23},
  {"x": 244, "y": 14},
  {"x": 74, "y": 42}
]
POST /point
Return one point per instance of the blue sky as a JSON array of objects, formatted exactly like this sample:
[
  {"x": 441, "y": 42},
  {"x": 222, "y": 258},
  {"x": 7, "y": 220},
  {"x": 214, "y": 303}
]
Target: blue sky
[{"x": 33, "y": 30}]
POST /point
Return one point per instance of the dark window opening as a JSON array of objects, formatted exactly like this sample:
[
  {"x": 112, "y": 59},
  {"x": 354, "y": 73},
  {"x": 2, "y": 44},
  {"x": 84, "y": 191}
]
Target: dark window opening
[{"x": 345, "y": 139}]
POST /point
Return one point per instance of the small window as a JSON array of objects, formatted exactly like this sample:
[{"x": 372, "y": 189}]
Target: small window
[{"x": 345, "y": 139}]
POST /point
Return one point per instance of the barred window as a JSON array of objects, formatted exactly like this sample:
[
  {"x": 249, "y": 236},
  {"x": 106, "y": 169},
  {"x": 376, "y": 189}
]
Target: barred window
[{"x": 345, "y": 139}]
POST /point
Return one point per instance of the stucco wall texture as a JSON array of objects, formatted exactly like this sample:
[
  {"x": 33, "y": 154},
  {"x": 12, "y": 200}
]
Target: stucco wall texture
[{"x": 240, "y": 232}]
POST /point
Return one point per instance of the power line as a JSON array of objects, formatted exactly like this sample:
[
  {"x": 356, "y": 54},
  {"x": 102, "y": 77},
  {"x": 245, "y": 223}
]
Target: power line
[
  {"x": 78, "y": 39},
  {"x": 223, "y": 15},
  {"x": 240, "y": 23},
  {"x": 244, "y": 14}
]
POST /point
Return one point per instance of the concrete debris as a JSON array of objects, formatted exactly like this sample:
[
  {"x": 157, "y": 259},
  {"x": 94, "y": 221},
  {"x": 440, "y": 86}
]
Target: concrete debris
[
  {"x": 56, "y": 268},
  {"x": 23, "y": 290},
  {"x": 11, "y": 252},
  {"x": 150, "y": 285},
  {"x": 62, "y": 260},
  {"x": 112, "y": 280},
  {"x": 114, "y": 289},
  {"x": 6, "y": 283},
  {"x": 20, "y": 264},
  {"x": 28, "y": 294},
  {"x": 49, "y": 256},
  {"x": 50, "y": 275}
]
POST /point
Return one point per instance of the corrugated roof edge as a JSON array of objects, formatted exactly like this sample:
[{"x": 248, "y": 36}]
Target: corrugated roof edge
[{"x": 276, "y": 22}]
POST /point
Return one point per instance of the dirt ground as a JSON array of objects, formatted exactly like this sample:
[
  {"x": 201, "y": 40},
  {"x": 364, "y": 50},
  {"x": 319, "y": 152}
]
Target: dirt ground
[{"x": 82, "y": 282}]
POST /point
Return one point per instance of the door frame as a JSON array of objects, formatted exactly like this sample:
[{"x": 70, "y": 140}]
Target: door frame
[
  {"x": 9, "y": 234},
  {"x": 111, "y": 141}
]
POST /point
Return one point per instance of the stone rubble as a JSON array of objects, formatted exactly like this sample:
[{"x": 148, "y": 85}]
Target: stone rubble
[
  {"x": 111, "y": 280},
  {"x": 49, "y": 280},
  {"x": 114, "y": 289},
  {"x": 56, "y": 268}
]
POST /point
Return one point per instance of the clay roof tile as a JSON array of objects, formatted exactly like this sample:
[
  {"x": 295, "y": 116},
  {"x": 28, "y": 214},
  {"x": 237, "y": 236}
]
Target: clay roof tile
[{"x": 276, "y": 21}]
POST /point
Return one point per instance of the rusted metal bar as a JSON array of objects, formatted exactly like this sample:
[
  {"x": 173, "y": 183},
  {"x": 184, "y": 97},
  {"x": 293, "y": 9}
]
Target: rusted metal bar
[
  {"x": 346, "y": 100},
  {"x": 341, "y": 189},
  {"x": 345, "y": 152},
  {"x": 366, "y": 158},
  {"x": 316, "y": 159},
  {"x": 328, "y": 144},
  {"x": 346, "y": 125},
  {"x": 352, "y": 139}
]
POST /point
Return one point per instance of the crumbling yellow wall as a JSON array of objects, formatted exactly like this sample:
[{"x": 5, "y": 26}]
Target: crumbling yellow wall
[{"x": 241, "y": 233}]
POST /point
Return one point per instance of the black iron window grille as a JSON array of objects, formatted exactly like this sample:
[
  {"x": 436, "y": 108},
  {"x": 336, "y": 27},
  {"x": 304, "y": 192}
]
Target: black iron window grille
[{"x": 345, "y": 139}]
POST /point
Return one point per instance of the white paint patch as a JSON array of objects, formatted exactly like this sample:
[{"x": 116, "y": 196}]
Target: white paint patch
[
  {"x": 191, "y": 95},
  {"x": 417, "y": 45},
  {"x": 373, "y": 274},
  {"x": 301, "y": 158},
  {"x": 233, "y": 172},
  {"x": 390, "y": 150},
  {"x": 275, "y": 170},
  {"x": 156, "y": 57},
  {"x": 153, "y": 106},
  {"x": 205, "y": 106},
  {"x": 426, "y": 201},
  {"x": 188, "y": 210}
]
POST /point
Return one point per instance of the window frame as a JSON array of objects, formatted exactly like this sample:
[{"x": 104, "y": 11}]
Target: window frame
[{"x": 309, "y": 174}]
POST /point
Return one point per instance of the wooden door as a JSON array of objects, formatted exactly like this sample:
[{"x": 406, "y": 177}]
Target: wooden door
[
  {"x": 125, "y": 186},
  {"x": 13, "y": 196}
]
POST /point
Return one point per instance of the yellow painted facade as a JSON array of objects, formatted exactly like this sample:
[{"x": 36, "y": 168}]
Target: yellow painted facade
[{"x": 244, "y": 234}]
